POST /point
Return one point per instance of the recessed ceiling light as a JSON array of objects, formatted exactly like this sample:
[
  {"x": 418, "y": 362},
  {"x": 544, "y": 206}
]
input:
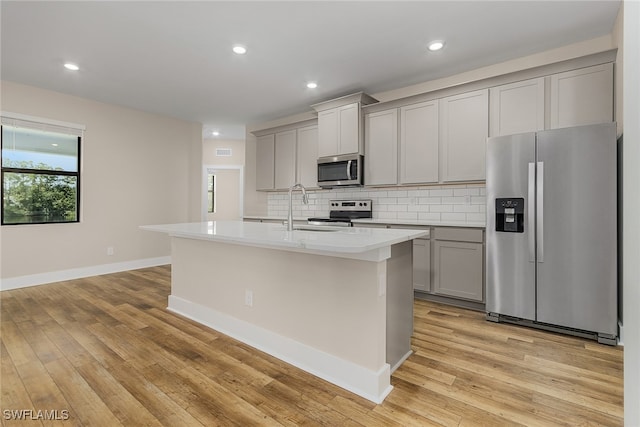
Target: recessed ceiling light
[
  {"x": 240, "y": 50},
  {"x": 436, "y": 45},
  {"x": 70, "y": 66},
  {"x": 312, "y": 85},
  {"x": 215, "y": 133},
  {"x": 54, "y": 144}
]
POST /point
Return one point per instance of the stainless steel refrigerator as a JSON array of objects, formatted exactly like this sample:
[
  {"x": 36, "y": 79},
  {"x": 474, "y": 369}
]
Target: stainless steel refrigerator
[{"x": 551, "y": 230}]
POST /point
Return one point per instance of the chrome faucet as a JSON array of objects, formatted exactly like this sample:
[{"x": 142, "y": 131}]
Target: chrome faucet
[{"x": 305, "y": 200}]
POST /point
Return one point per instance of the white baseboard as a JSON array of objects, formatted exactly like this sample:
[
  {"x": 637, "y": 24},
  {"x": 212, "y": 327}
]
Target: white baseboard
[
  {"x": 78, "y": 273},
  {"x": 371, "y": 385}
]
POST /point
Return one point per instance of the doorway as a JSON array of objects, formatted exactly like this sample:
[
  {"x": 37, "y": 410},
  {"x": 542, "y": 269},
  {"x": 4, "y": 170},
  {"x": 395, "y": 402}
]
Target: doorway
[{"x": 223, "y": 193}]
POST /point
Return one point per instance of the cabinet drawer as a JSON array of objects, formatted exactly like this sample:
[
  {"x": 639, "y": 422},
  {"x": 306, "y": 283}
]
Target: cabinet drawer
[{"x": 457, "y": 234}]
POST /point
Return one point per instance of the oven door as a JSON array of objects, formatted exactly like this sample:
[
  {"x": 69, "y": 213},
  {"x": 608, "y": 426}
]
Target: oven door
[{"x": 340, "y": 171}]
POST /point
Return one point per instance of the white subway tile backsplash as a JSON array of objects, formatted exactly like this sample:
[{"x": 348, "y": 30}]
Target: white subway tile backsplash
[
  {"x": 418, "y": 208},
  {"x": 397, "y": 208},
  {"x": 430, "y": 200},
  {"x": 466, "y": 192},
  {"x": 454, "y": 200},
  {"x": 466, "y": 208},
  {"x": 441, "y": 193},
  {"x": 387, "y": 201},
  {"x": 385, "y": 215},
  {"x": 408, "y": 215},
  {"x": 441, "y": 208},
  {"x": 427, "y": 203},
  {"x": 428, "y": 216},
  {"x": 447, "y": 216},
  {"x": 477, "y": 217}
]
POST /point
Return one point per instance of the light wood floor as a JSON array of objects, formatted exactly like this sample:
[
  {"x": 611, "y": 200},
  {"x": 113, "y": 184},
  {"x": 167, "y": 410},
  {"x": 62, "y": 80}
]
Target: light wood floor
[{"x": 106, "y": 350}]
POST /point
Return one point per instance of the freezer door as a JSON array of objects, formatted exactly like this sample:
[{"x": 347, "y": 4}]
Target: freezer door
[
  {"x": 576, "y": 268},
  {"x": 510, "y": 266}
]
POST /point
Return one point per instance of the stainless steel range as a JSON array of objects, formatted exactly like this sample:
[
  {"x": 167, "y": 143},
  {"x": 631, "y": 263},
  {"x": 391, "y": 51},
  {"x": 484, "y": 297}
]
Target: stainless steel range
[{"x": 341, "y": 212}]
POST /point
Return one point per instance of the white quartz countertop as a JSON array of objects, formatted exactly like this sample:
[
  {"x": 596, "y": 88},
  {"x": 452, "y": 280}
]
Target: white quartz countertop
[
  {"x": 421, "y": 223},
  {"x": 347, "y": 240}
]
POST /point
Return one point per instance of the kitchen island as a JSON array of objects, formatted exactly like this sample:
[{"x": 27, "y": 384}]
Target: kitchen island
[{"x": 335, "y": 302}]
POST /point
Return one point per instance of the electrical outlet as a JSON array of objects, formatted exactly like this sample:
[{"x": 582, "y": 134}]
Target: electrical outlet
[
  {"x": 467, "y": 200},
  {"x": 110, "y": 250},
  {"x": 248, "y": 298}
]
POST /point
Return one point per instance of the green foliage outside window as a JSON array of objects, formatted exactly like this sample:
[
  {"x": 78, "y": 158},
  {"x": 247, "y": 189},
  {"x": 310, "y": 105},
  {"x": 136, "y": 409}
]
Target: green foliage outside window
[
  {"x": 38, "y": 197},
  {"x": 40, "y": 176}
]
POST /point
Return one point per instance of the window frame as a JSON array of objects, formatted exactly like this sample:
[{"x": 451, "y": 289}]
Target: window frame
[{"x": 29, "y": 171}]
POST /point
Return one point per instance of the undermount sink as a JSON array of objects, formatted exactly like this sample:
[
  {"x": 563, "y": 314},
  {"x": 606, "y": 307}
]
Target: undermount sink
[{"x": 312, "y": 228}]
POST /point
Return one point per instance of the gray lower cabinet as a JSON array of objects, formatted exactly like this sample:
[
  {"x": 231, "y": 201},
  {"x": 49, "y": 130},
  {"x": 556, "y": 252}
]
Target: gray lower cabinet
[
  {"x": 422, "y": 265},
  {"x": 448, "y": 267},
  {"x": 458, "y": 263}
]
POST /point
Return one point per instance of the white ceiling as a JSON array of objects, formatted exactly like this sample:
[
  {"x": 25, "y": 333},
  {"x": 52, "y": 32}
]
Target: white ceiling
[{"x": 175, "y": 58}]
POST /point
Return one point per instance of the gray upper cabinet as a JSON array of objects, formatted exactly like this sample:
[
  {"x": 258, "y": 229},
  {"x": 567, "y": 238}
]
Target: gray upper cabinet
[
  {"x": 464, "y": 128},
  {"x": 328, "y": 133},
  {"x": 381, "y": 147},
  {"x": 582, "y": 97},
  {"x": 419, "y": 143},
  {"x": 517, "y": 107},
  {"x": 339, "y": 130},
  {"x": 287, "y": 155},
  {"x": 307, "y": 170},
  {"x": 265, "y": 157},
  {"x": 285, "y": 159},
  {"x": 340, "y": 124}
]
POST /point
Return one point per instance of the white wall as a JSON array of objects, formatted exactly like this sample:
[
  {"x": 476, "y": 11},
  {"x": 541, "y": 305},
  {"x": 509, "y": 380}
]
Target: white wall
[
  {"x": 631, "y": 213},
  {"x": 136, "y": 169},
  {"x": 209, "y": 147}
]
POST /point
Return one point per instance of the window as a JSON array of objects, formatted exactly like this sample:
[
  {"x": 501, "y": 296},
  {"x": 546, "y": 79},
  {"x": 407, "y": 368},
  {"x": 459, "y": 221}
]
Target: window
[
  {"x": 211, "y": 191},
  {"x": 40, "y": 173}
]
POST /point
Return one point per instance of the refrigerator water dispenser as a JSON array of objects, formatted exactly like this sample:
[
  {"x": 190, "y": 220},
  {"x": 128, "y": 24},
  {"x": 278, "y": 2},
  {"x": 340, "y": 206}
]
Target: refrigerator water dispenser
[{"x": 510, "y": 215}]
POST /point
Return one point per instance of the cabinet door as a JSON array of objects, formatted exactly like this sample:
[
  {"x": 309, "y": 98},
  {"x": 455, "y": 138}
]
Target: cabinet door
[
  {"x": 265, "y": 151},
  {"x": 458, "y": 269},
  {"x": 328, "y": 133},
  {"x": 308, "y": 156},
  {"x": 349, "y": 129},
  {"x": 422, "y": 265},
  {"x": 464, "y": 129},
  {"x": 419, "y": 143},
  {"x": 285, "y": 159},
  {"x": 582, "y": 97},
  {"x": 381, "y": 148},
  {"x": 517, "y": 107}
]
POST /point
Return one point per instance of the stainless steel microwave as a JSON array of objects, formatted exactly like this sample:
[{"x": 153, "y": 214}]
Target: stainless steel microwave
[{"x": 345, "y": 170}]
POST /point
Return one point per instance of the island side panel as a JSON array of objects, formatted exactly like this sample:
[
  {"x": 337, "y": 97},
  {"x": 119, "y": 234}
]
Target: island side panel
[
  {"x": 329, "y": 303},
  {"x": 399, "y": 303}
]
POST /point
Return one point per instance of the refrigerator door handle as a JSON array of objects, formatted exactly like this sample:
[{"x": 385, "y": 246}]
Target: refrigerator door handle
[
  {"x": 531, "y": 213},
  {"x": 540, "y": 211}
]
